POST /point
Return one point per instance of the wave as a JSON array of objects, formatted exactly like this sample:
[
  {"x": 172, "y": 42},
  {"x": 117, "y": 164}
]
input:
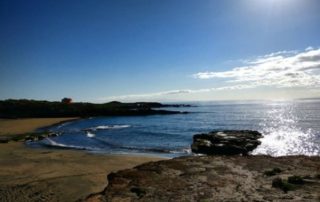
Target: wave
[
  {"x": 158, "y": 150},
  {"x": 118, "y": 148},
  {"x": 183, "y": 150},
  {"x": 63, "y": 125},
  {"x": 107, "y": 127},
  {"x": 89, "y": 134},
  {"x": 112, "y": 145},
  {"x": 105, "y": 142},
  {"x": 145, "y": 149},
  {"x": 52, "y": 143}
]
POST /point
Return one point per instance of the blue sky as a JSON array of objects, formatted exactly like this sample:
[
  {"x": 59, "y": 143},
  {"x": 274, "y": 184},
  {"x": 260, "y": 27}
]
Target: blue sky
[{"x": 168, "y": 50}]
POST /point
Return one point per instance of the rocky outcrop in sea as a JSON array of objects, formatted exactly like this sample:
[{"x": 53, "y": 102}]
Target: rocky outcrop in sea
[{"x": 229, "y": 142}]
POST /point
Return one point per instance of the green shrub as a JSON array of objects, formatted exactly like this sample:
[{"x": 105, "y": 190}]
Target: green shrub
[
  {"x": 272, "y": 172},
  {"x": 140, "y": 192},
  {"x": 282, "y": 184},
  {"x": 295, "y": 179},
  {"x": 307, "y": 177}
]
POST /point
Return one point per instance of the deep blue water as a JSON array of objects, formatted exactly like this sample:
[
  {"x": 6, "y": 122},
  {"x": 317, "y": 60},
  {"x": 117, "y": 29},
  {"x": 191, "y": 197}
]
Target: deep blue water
[{"x": 289, "y": 128}]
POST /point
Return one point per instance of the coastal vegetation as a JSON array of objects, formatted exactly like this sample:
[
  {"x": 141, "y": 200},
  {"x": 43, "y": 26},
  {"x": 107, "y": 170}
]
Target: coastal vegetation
[{"x": 38, "y": 109}]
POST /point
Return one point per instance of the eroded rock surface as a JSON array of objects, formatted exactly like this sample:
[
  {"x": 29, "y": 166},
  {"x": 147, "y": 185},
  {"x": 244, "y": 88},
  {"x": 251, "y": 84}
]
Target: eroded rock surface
[
  {"x": 214, "y": 178},
  {"x": 230, "y": 142}
]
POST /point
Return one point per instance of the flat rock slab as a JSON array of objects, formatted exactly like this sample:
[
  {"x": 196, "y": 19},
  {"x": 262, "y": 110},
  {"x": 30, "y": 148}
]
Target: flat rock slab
[
  {"x": 214, "y": 178},
  {"x": 229, "y": 142}
]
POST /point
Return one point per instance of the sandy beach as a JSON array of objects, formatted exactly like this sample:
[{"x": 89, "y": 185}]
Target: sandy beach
[
  {"x": 53, "y": 175},
  {"x": 18, "y": 126}
]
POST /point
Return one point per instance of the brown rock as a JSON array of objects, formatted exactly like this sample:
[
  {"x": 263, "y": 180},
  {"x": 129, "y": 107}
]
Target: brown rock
[{"x": 212, "y": 178}]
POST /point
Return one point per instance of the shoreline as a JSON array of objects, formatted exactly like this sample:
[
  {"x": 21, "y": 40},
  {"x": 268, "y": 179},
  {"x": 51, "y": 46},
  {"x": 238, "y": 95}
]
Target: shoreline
[
  {"x": 29, "y": 125},
  {"x": 28, "y": 174},
  {"x": 44, "y": 174}
]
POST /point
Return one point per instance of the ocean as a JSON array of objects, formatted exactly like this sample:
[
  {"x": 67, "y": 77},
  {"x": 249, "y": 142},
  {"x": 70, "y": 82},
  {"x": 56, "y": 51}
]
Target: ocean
[{"x": 288, "y": 128}]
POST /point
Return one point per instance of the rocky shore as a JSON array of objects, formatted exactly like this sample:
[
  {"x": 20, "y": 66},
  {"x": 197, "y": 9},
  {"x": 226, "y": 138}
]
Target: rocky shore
[
  {"x": 216, "y": 178},
  {"x": 34, "y": 136},
  {"x": 227, "y": 173}
]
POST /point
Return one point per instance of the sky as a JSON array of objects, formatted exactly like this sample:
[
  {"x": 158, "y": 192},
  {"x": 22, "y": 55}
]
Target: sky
[{"x": 159, "y": 50}]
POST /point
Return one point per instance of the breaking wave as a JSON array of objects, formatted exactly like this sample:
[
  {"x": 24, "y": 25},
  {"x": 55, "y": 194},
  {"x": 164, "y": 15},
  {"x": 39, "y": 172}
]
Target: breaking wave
[
  {"x": 107, "y": 127},
  {"x": 51, "y": 143},
  {"x": 90, "y": 134},
  {"x": 120, "y": 148}
]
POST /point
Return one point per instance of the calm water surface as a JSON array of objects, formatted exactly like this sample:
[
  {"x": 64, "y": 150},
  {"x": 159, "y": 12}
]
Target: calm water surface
[{"x": 289, "y": 128}]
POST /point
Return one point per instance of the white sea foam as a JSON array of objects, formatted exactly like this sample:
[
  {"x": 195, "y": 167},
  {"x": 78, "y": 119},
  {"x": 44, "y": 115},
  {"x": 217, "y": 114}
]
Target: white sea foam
[
  {"x": 108, "y": 127},
  {"x": 63, "y": 124},
  {"x": 89, "y": 134},
  {"x": 282, "y": 136},
  {"x": 180, "y": 151},
  {"x": 56, "y": 144},
  {"x": 187, "y": 150}
]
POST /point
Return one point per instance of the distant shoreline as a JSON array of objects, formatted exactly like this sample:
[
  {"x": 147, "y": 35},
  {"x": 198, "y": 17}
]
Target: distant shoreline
[{"x": 45, "y": 109}]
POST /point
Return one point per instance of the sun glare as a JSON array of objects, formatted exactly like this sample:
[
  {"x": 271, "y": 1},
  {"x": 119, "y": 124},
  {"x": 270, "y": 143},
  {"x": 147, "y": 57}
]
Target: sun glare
[{"x": 275, "y": 3}]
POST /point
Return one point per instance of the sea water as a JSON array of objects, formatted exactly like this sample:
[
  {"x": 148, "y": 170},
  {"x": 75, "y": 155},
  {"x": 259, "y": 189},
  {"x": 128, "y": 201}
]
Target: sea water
[{"x": 288, "y": 128}]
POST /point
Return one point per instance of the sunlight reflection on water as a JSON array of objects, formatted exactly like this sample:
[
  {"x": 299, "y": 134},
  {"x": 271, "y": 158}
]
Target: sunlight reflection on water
[
  {"x": 289, "y": 128},
  {"x": 282, "y": 136}
]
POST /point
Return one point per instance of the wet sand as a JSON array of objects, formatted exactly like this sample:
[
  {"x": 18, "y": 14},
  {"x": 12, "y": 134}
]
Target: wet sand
[{"x": 54, "y": 175}]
